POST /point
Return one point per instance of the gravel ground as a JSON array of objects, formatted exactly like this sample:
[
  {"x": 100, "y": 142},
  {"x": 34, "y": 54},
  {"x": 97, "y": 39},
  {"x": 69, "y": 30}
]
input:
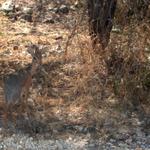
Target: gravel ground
[
  {"x": 19, "y": 141},
  {"x": 22, "y": 141}
]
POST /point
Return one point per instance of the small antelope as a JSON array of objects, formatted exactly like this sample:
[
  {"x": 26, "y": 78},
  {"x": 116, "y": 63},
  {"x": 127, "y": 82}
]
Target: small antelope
[{"x": 16, "y": 86}]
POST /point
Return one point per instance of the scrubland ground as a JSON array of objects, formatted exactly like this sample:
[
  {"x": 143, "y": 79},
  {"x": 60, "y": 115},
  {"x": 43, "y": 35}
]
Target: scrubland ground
[{"x": 80, "y": 99}]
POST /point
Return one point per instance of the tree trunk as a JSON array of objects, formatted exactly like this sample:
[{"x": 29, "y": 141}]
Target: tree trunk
[{"x": 101, "y": 14}]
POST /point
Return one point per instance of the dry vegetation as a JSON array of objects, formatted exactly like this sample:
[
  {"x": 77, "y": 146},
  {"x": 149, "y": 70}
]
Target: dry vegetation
[{"x": 100, "y": 90}]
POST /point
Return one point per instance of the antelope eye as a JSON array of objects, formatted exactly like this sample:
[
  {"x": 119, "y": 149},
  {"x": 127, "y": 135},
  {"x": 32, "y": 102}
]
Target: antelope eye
[
  {"x": 34, "y": 58},
  {"x": 23, "y": 95}
]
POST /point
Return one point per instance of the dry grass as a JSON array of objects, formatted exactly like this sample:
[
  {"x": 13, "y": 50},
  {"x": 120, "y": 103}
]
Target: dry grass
[{"x": 89, "y": 87}]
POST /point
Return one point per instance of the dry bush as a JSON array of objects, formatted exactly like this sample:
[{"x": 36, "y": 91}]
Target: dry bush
[
  {"x": 129, "y": 10},
  {"x": 122, "y": 68},
  {"x": 128, "y": 67}
]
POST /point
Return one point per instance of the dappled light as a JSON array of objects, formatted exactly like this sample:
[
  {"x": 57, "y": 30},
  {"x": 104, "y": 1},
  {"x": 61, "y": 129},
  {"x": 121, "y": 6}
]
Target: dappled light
[{"x": 74, "y": 74}]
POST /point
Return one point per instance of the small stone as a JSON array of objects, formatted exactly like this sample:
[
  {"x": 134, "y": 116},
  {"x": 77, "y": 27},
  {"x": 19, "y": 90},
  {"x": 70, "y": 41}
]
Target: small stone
[
  {"x": 80, "y": 128},
  {"x": 26, "y": 30},
  {"x": 112, "y": 140},
  {"x": 70, "y": 138},
  {"x": 49, "y": 20},
  {"x": 17, "y": 7},
  {"x": 129, "y": 141},
  {"x": 27, "y": 10},
  {"x": 19, "y": 147},
  {"x": 27, "y": 17},
  {"x": 72, "y": 8},
  {"x": 59, "y": 145},
  {"x": 92, "y": 145},
  {"x": 7, "y": 6},
  {"x": 50, "y": 8},
  {"x": 63, "y": 9},
  {"x": 116, "y": 30}
]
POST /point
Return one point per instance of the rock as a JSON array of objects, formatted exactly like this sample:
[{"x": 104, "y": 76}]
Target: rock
[
  {"x": 49, "y": 20},
  {"x": 79, "y": 128},
  {"x": 27, "y": 17},
  {"x": 59, "y": 38},
  {"x": 73, "y": 7},
  {"x": 7, "y": 6},
  {"x": 59, "y": 145},
  {"x": 17, "y": 7},
  {"x": 50, "y": 8},
  {"x": 26, "y": 30},
  {"x": 63, "y": 9},
  {"x": 116, "y": 30},
  {"x": 78, "y": 4},
  {"x": 26, "y": 14},
  {"x": 27, "y": 10},
  {"x": 147, "y": 49}
]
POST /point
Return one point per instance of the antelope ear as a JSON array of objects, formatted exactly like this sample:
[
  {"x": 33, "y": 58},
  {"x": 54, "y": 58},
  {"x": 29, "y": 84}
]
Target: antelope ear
[
  {"x": 43, "y": 49},
  {"x": 32, "y": 49}
]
